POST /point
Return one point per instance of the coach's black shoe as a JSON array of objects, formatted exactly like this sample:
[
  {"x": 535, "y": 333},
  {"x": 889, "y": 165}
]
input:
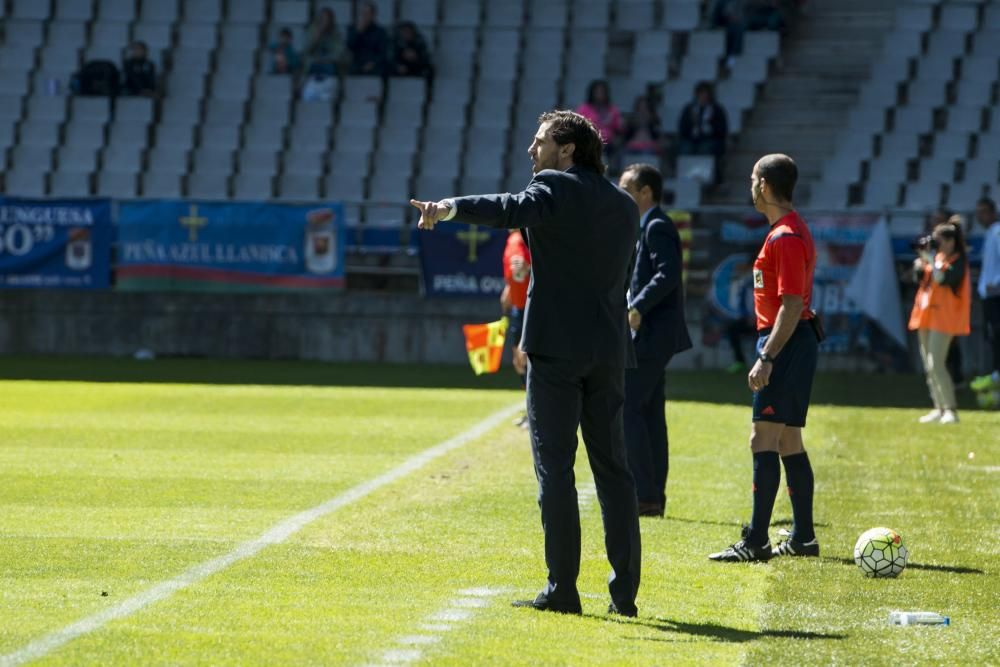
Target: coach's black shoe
[
  {"x": 743, "y": 551},
  {"x": 791, "y": 547},
  {"x": 631, "y": 612},
  {"x": 650, "y": 509},
  {"x": 543, "y": 603}
]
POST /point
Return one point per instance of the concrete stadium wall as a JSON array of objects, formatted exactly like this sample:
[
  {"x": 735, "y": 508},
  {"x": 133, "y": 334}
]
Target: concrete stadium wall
[
  {"x": 347, "y": 326},
  {"x": 332, "y": 327}
]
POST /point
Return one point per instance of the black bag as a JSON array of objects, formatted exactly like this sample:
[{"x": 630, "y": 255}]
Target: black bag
[{"x": 99, "y": 78}]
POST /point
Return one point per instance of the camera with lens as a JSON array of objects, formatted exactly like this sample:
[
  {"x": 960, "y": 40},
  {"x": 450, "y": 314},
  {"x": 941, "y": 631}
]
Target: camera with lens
[{"x": 925, "y": 244}]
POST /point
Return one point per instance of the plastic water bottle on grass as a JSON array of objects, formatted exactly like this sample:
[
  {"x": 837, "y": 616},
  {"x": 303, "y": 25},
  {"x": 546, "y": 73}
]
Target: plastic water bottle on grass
[{"x": 917, "y": 618}]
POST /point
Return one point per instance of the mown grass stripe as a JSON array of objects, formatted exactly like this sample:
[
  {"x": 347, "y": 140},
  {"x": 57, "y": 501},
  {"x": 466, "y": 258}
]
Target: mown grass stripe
[{"x": 275, "y": 535}]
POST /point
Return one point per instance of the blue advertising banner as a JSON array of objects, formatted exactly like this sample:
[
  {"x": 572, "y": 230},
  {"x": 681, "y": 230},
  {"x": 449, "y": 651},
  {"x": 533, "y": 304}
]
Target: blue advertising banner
[
  {"x": 202, "y": 246},
  {"x": 462, "y": 260},
  {"x": 55, "y": 243}
]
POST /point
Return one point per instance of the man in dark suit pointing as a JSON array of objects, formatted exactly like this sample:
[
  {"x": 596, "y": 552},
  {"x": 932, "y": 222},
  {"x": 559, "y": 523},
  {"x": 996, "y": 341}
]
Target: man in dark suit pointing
[
  {"x": 656, "y": 316},
  {"x": 581, "y": 231}
]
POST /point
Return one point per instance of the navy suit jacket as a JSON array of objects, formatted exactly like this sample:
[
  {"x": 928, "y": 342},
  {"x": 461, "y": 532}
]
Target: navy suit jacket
[
  {"x": 581, "y": 230},
  {"x": 657, "y": 291}
]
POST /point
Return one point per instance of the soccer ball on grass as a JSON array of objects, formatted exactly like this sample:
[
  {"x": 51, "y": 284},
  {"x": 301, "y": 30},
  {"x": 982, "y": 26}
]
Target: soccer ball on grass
[{"x": 880, "y": 552}]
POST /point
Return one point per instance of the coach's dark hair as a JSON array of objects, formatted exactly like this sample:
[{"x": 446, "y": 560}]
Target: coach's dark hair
[
  {"x": 781, "y": 174},
  {"x": 986, "y": 201},
  {"x": 569, "y": 127},
  {"x": 647, "y": 175}
]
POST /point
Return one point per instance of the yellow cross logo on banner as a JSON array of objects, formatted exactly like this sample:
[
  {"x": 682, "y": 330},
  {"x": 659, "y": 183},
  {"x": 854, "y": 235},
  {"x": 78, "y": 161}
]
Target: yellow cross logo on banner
[
  {"x": 473, "y": 237},
  {"x": 193, "y": 222}
]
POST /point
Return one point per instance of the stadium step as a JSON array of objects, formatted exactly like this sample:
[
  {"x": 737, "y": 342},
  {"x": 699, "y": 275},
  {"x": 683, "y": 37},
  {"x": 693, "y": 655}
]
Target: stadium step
[{"x": 805, "y": 102}]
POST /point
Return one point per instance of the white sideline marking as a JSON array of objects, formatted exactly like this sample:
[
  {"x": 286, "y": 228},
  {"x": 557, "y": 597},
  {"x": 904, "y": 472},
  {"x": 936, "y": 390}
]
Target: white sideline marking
[
  {"x": 986, "y": 469},
  {"x": 452, "y": 615},
  {"x": 585, "y": 495},
  {"x": 471, "y": 603},
  {"x": 459, "y": 609},
  {"x": 275, "y": 535}
]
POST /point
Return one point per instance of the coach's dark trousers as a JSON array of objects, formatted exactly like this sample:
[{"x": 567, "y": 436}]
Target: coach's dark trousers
[
  {"x": 646, "y": 430},
  {"x": 563, "y": 394}
]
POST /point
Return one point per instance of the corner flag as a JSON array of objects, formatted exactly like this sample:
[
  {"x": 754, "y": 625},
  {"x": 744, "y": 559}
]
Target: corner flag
[{"x": 484, "y": 343}]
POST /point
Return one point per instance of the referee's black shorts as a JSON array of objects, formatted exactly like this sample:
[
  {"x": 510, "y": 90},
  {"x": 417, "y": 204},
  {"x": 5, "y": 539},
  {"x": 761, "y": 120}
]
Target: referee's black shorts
[{"x": 785, "y": 400}]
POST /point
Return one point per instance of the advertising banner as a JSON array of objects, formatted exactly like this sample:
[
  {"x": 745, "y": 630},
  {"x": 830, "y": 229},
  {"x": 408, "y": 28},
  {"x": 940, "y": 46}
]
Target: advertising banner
[
  {"x": 840, "y": 243},
  {"x": 56, "y": 244},
  {"x": 251, "y": 247},
  {"x": 462, "y": 260}
]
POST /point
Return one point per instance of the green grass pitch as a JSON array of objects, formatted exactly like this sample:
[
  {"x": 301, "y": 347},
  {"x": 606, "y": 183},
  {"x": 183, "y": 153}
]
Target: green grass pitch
[{"x": 116, "y": 476}]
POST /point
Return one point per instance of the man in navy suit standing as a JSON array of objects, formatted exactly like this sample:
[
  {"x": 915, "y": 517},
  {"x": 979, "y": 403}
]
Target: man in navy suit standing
[
  {"x": 656, "y": 317},
  {"x": 581, "y": 231}
]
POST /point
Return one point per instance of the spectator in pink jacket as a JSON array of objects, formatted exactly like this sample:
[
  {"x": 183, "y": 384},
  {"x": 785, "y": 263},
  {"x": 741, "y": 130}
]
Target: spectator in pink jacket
[{"x": 602, "y": 113}]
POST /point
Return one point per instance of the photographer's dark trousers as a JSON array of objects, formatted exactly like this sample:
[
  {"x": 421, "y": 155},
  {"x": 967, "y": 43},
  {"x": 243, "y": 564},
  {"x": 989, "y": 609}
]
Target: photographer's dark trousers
[{"x": 562, "y": 395}]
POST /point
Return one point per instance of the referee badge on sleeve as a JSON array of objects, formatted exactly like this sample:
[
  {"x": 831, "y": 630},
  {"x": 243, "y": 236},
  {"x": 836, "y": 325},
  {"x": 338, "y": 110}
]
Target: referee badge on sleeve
[{"x": 758, "y": 279}]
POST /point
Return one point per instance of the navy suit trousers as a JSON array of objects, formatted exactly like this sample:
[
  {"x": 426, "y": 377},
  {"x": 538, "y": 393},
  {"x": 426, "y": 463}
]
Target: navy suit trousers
[
  {"x": 562, "y": 395},
  {"x": 646, "y": 430}
]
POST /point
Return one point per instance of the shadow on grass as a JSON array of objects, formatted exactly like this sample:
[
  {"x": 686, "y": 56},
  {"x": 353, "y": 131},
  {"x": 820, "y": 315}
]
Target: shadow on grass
[
  {"x": 736, "y": 524},
  {"x": 717, "y": 387},
  {"x": 951, "y": 569},
  {"x": 721, "y": 633}
]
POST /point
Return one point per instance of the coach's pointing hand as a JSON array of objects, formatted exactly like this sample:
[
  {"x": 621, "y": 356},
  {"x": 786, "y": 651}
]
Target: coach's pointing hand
[{"x": 431, "y": 212}]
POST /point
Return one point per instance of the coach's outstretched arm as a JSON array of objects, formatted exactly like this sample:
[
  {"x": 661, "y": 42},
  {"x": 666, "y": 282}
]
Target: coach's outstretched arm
[{"x": 532, "y": 207}]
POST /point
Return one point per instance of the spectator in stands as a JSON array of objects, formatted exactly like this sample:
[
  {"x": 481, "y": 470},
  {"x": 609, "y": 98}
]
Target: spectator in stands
[
  {"x": 738, "y": 16},
  {"x": 409, "y": 52},
  {"x": 368, "y": 42},
  {"x": 941, "y": 312},
  {"x": 703, "y": 127},
  {"x": 602, "y": 112},
  {"x": 643, "y": 134},
  {"x": 284, "y": 58},
  {"x": 140, "y": 72},
  {"x": 324, "y": 50}
]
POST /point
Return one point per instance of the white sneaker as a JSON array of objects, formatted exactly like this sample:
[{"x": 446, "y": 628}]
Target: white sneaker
[
  {"x": 931, "y": 417},
  {"x": 949, "y": 417}
]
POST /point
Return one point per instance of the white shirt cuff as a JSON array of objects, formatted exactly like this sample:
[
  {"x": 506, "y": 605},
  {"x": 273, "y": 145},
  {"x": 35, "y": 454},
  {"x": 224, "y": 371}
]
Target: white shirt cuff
[{"x": 453, "y": 212}]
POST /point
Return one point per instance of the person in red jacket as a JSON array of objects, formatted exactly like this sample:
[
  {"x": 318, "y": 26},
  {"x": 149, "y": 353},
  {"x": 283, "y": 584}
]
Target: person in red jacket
[{"x": 517, "y": 276}]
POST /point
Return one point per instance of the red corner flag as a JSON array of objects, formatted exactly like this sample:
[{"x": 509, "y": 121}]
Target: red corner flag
[{"x": 484, "y": 343}]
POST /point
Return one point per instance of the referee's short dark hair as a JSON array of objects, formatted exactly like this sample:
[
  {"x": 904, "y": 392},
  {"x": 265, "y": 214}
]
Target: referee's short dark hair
[
  {"x": 647, "y": 174},
  {"x": 988, "y": 203},
  {"x": 781, "y": 174}
]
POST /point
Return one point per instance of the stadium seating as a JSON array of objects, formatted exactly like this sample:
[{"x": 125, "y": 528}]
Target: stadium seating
[
  {"x": 225, "y": 128},
  {"x": 926, "y": 107}
]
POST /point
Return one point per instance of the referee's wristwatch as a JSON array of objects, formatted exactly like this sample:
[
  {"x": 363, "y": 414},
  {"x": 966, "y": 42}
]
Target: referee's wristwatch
[{"x": 766, "y": 358}]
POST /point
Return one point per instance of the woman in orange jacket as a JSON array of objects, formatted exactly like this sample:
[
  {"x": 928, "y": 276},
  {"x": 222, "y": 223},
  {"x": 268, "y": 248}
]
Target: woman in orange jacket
[{"x": 941, "y": 311}]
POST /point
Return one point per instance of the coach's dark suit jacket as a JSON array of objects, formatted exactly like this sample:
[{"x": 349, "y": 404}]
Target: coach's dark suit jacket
[
  {"x": 581, "y": 230},
  {"x": 657, "y": 291}
]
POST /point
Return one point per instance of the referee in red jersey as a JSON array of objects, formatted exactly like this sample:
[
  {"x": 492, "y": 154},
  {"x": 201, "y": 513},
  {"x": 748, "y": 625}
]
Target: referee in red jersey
[{"x": 781, "y": 379}]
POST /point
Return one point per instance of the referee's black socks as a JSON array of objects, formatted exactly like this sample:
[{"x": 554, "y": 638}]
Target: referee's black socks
[
  {"x": 799, "y": 475},
  {"x": 766, "y": 479}
]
